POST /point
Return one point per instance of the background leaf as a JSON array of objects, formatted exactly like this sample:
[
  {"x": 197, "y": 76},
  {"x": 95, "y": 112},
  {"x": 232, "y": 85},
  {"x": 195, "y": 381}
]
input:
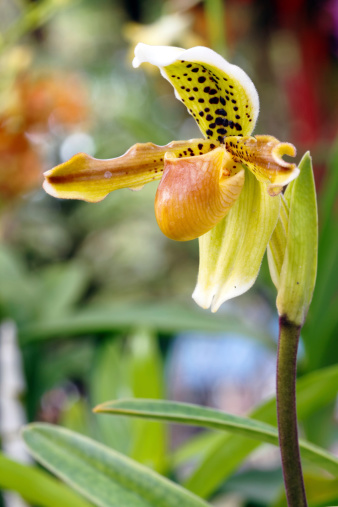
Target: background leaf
[
  {"x": 144, "y": 363},
  {"x": 225, "y": 453},
  {"x": 166, "y": 318},
  {"x": 104, "y": 476},
  {"x": 36, "y": 486},
  {"x": 185, "y": 413}
]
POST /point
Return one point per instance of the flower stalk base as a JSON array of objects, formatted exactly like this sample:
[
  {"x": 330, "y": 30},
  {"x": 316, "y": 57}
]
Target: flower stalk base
[{"x": 287, "y": 414}]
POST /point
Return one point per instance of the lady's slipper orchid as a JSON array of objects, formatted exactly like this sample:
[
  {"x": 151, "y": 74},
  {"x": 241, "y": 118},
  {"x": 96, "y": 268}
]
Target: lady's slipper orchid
[{"x": 223, "y": 189}]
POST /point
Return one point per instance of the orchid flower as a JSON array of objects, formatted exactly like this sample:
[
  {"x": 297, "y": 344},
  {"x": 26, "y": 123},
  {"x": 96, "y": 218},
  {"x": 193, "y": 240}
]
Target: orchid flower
[{"x": 223, "y": 189}]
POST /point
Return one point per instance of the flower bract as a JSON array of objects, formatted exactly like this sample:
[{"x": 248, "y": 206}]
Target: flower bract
[{"x": 223, "y": 188}]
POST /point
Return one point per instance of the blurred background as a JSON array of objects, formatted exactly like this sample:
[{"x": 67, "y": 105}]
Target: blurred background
[{"x": 95, "y": 303}]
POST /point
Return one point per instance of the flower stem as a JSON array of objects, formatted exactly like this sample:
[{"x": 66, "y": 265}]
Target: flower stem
[{"x": 287, "y": 413}]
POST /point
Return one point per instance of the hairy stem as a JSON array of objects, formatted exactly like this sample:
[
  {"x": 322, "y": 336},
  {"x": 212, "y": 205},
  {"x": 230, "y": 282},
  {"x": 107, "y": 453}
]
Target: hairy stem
[{"x": 287, "y": 413}]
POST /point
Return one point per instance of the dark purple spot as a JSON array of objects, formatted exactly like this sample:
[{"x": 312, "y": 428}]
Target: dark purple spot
[
  {"x": 201, "y": 101},
  {"x": 200, "y": 146},
  {"x": 230, "y": 86},
  {"x": 213, "y": 91},
  {"x": 237, "y": 117},
  {"x": 182, "y": 87},
  {"x": 219, "y": 121},
  {"x": 212, "y": 146},
  {"x": 201, "y": 113},
  {"x": 222, "y": 101},
  {"x": 235, "y": 108},
  {"x": 189, "y": 65},
  {"x": 209, "y": 117},
  {"x": 238, "y": 126},
  {"x": 214, "y": 100},
  {"x": 221, "y": 131},
  {"x": 222, "y": 112},
  {"x": 207, "y": 109},
  {"x": 212, "y": 125},
  {"x": 191, "y": 98},
  {"x": 195, "y": 69},
  {"x": 201, "y": 79},
  {"x": 207, "y": 89},
  {"x": 234, "y": 101},
  {"x": 209, "y": 132},
  {"x": 195, "y": 89}
]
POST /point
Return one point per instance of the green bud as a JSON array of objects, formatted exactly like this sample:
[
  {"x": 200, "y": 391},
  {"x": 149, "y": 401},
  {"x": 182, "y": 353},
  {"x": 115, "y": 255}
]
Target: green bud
[{"x": 293, "y": 247}]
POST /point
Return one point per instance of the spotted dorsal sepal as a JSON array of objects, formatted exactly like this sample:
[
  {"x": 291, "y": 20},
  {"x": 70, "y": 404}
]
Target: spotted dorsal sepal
[
  {"x": 220, "y": 96},
  {"x": 90, "y": 179},
  {"x": 263, "y": 156}
]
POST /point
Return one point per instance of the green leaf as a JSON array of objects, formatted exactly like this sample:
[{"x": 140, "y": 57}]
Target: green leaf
[
  {"x": 320, "y": 492},
  {"x": 75, "y": 416},
  {"x": 195, "y": 415},
  {"x": 323, "y": 318},
  {"x": 227, "y": 452},
  {"x": 109, "y": 378},
  {"x": 144, "y": 363},
  {"x": 195, "y": 449},
  {"x": 106, "y": 477},
  {"x": 64, "y": 283},
  {"x": 259, "y": 486},
  {"x": 299, "y": 269},
  {"x": 36, "y": 486},
  {"x": 18, "y": 289},
  {"x": 169, "y": 318}
]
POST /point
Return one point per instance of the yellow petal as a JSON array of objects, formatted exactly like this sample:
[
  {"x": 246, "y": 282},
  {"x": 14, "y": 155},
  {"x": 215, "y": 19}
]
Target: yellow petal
[
  {"x": 263, "y": 156},
  {"x": 87, "y": 178},
  {"x": 195, "y": 193},
  {"x": 220, "y": 96},
  {"x": 277, "y": 243},
  {"x": 232, "y": 252}
]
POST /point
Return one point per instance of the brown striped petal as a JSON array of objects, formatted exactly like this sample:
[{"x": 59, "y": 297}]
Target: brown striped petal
[
  {"x": 90, "y": 179},
  {"x": 195, "y": 193}
]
